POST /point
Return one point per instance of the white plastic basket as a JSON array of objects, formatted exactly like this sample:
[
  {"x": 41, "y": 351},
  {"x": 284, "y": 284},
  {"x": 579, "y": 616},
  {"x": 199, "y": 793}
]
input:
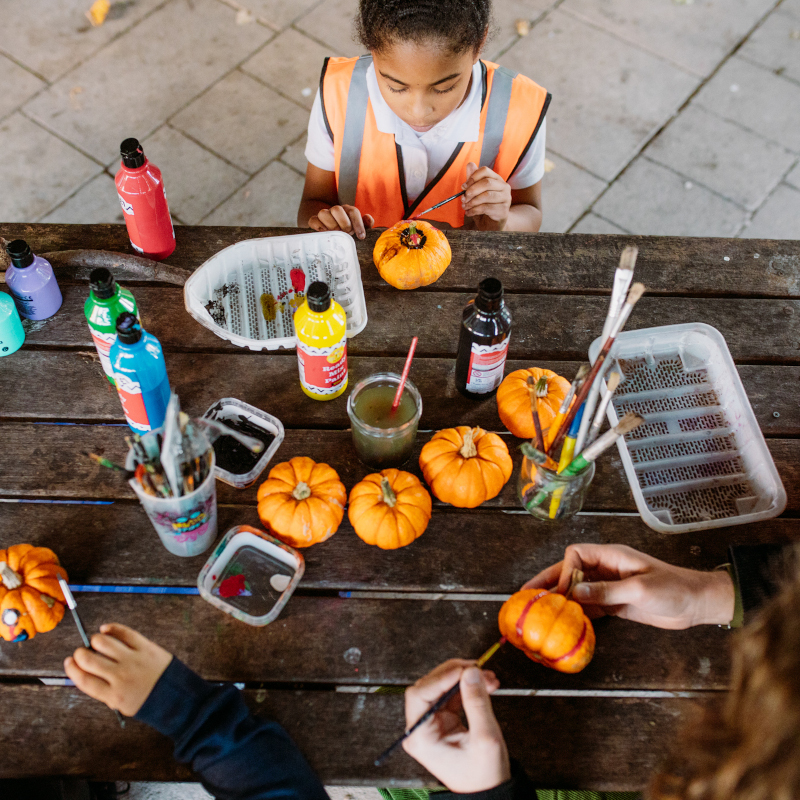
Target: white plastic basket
[
  {"x": 225, "y": 294},
  {"x": 700, "y": 460}
]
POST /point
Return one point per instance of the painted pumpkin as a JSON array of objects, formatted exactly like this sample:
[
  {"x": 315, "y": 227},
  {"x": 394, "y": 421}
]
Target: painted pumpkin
[
  {"x": 548, "y": 628},
  {"x": 389, "y": 509},
  {"x": 411, "y": 254},
  {"x": 31, "y": 601},
  {"x": 465, "y": 466},
  {"x": 514, "y": 402},
  {"x": 302, "y": 502}
]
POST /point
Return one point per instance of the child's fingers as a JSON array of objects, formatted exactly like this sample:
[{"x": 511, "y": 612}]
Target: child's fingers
[
  {"x": 472, "y": 167},
  {"x": 95, "y": 663},
  {"x": 89, "y": 684},
  {"x": 330, "y": 222},
  {"x": 124, "y": 634},
  {"x": 315, "y": 224},
  {"x": 369, "y": 221},
  {"x": 356, "y": 221},
  {"x": 110, "y": 646},
  {"x": 495, "y": 211},
  {"x": 342, "y": 219}
]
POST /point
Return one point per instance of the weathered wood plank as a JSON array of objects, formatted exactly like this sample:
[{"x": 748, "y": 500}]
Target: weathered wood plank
[
  {"x": 524, "y": 262},
  {"x": 33, "y": 451},
  {"x": 308, "y": 643},
  {"x": 78, "y": 390},
  {"x": 598, "y": 743},
  {"x": 554, "y": 326},
  {"x": 461, "y": 551}
]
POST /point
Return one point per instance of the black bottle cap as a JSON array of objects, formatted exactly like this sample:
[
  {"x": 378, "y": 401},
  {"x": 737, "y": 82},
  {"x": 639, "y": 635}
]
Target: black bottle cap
[
  {"x": 20, "y": 253},
  {"x": 490, "y": 295},
  {"x": 129, "y": 329},
  {"x": 132, "y": 153},
  {"x": 318, "y": 297},
  {"x": 102, "y": 283}
]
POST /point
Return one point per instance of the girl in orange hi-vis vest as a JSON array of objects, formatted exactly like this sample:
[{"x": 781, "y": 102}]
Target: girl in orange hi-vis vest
[{"x": 420, "y": 119}]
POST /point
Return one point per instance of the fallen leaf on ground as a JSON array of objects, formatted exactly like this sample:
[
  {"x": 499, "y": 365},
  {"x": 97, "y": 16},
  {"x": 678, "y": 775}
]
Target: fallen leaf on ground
[
  {"x": 549, "y": 165},
  {"x": 98, "y": 12},
  {"x": 794, "y": 35},
  {"x": 244, "y": 17},
  {"x": 523, "y": 27}
]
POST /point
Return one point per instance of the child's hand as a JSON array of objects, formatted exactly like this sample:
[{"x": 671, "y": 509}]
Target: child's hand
[
  {"x": 464, "y": 760},
  {"x": 121, "y": 669},
  {"x": 342, "y": 218},
  {"x": 488, "y": 198}
]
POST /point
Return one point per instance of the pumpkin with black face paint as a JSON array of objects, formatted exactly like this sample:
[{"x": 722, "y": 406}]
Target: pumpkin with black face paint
[
  {"x": 411, "y": 254},
  {"x": 31, "y": 600}
]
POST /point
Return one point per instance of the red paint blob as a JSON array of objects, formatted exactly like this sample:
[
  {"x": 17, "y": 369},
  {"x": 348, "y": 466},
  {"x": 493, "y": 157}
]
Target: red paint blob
[
  {"x": 232, "y": 587},
  {"x": 298, "y": 279}
]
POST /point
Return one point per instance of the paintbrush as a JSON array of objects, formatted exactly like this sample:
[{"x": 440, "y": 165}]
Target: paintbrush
[
  {"x": 73, "y": 607},
  {"x": 104, "y": 462},
  {"x": 437, "y": 706},
  {"x": 552, "y": 431},
  {"x": 432, "y": 208},
  {"x": 622, "y": 281},
  {"x": 597, "y": 422},
  {"x": 537, "y": 456},
  {"x": 564, "y": 460},
  {"x": 637, "y": 290},
  {"x": 535, "y": 391}
]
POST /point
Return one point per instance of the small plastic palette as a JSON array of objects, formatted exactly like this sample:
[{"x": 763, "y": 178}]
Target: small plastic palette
[
  {"x": 250, "y": 575},
  {"x": 231, "y": 411}
]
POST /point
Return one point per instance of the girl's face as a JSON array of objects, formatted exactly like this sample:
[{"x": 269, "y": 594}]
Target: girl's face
[{"x": 423, "y": 83}]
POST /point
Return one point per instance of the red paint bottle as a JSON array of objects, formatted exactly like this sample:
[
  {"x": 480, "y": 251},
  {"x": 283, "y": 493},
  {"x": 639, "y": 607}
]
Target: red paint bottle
[{"x": 144, "y": 203}]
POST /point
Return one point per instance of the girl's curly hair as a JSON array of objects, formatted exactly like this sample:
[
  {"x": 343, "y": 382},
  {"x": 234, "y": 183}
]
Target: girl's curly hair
[{"x": 460, "y": 24}]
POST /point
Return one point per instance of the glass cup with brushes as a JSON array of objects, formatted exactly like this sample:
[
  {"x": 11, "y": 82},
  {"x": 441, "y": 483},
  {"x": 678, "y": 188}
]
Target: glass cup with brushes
[{"x": 173, "y": 476}]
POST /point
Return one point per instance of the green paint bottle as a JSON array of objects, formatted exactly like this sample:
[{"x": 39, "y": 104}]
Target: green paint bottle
[{"x": 106, "y": 301}]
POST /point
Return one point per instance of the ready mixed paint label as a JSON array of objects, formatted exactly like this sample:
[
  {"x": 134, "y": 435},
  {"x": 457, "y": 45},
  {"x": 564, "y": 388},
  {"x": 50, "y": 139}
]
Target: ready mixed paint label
[{"x": 130, "y": 394}]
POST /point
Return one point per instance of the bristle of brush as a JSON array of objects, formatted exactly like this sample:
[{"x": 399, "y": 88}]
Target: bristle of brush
[
  {"x": 583, "y": 371},
  {"x": 637, "y": 290},
  {"x": 628, "y": 258},
  {"x": 613, "y": 381},
  {"x": 628, "y": 423}
]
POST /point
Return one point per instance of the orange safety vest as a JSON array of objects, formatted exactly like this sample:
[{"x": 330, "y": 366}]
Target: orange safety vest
[{"x": 369, "y": 164}]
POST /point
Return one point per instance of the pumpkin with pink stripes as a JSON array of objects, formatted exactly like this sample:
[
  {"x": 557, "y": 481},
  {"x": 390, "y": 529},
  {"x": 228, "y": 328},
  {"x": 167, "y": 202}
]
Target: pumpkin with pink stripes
[{"x": 548, "y": 628}]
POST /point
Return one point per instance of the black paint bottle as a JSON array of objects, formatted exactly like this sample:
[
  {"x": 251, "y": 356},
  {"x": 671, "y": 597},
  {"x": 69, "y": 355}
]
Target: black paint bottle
[{"x": 483, "y": 343}]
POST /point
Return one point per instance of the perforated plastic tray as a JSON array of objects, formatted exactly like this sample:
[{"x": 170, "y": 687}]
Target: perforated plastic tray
[
  {"x": 700, "y": 460},
  {"x": 248, "y": 292}
]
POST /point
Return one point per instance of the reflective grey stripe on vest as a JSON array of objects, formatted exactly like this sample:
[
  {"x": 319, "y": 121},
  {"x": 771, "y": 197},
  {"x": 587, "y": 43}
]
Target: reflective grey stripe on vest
[
  {"x": 353, "y": 136},
  {"x": 496, "y": 114}
]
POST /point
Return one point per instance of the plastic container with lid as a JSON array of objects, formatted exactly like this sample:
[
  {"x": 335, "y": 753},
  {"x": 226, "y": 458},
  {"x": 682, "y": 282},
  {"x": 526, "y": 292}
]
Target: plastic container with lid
[{"x": 250, "y": 575}]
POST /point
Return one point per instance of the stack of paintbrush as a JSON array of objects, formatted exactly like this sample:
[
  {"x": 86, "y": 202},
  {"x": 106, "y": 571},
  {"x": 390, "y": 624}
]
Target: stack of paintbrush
[{"x": 579, "y": 419}]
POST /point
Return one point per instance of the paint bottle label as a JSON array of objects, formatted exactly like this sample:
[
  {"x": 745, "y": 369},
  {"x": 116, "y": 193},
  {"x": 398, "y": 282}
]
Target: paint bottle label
[
  {"x": 323, "y": 370},
  {"x": 130, "y": 394},
  {"x": 486, "y": 365},
  {"x": 103, "y": 342}
]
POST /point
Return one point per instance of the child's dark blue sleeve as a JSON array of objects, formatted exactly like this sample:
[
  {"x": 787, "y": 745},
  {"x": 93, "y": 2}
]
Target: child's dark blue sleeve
[{"x": 237, "y": 756}]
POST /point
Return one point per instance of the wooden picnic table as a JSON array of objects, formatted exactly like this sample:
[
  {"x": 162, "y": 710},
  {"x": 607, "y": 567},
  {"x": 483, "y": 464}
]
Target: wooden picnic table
[{"x": 363, "y": 618}]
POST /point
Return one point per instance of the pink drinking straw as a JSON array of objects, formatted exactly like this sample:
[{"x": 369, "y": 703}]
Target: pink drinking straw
[{"x": 404, "y": 376}]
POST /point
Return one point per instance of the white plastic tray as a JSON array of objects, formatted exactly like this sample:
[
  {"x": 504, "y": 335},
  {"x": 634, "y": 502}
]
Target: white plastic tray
[
  {"x": 224, "y": 294},
  {"x": 700, "y": 460}
]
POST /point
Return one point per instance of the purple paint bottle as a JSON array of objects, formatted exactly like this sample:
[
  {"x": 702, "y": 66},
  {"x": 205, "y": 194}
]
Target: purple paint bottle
[{"x": 32, "y": 282}]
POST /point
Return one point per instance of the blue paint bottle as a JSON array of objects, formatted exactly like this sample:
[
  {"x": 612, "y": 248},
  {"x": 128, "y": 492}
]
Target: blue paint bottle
[{"x": 140, "y": 374}]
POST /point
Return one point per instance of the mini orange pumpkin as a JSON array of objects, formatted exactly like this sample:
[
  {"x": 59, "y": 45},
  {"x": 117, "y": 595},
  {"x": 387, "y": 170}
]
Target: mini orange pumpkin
[
  {"x": 302, "y": 502},
  {"x": 514, "y": 402},
  {"x": 389, "y": 509},
  {"x": 31, "y": 601},
  {"x": 548, "y": 628},
  {"x": 411, "y": 254},
  {"x": 465, "y": 466}
]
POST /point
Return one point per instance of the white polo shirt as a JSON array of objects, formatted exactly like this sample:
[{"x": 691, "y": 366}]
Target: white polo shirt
[{"x": 424, "y": 154}]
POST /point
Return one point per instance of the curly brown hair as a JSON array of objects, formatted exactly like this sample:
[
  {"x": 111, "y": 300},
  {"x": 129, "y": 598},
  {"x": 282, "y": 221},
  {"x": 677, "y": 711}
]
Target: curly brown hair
[{"x": 748, "y": 746}]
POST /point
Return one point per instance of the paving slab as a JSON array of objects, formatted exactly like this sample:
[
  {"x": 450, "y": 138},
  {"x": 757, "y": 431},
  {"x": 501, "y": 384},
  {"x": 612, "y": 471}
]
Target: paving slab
[
  {"x": 592, "y": 223},
  {"x": 195, "y": 179},
  {"x": 609, "y": 96},
  {"x": 136, "y": 82},
  {"x": 332, "y": 22},
  {"x": 740, "y": 165},
  {"x": 18, "y": 85},
  {"x": 243, "y": 120},
  {"x": 694, "y": 35},
  {"x": 294, "y": 155},
  {"x": 793, "y": 178},
  {"x": 776, "y": 44},
  {"x": 756, "y": 98},
  {"x": 279, "y": 12},
  {"x": 150, "y": 790},
  {"x": 96, "y": 203},
  {"x": 290, "y": 63},
  {"x": 271, "y": 198},
  {"x": 778, "y": 218},
  {"x": 650, "y": 200},
  {"x": 37, "y": 170},
  {"x": 53, "y": 36},
  {"x": 567, "y": 191},
  {"x": 505, "y": 14}
]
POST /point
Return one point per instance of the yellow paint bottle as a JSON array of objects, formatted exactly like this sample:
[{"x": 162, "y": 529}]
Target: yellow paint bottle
[{"x": 320, "y": 325}]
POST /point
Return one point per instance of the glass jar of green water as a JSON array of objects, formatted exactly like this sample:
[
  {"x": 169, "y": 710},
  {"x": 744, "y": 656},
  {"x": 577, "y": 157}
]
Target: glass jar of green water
[{"x": 384, "y": 438}]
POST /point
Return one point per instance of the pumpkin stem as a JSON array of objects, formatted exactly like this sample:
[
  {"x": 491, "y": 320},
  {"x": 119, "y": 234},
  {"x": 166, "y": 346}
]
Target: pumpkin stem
[
  {"x": 11, "y": 580},
  {"x": 468, "y": 449},
  {"x": 411, "y": 238},
  {"x": 389, "y": 497},
  {"x": 301, "y": 491}
]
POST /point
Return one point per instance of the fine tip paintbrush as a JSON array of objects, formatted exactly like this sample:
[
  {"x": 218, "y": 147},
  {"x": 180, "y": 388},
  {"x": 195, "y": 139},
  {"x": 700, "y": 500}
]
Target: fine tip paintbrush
[
  {"x": 437, "y": 705},
  {"x": 577, "y": 382},
  {"x": 433, "y": 208},
  {"x": 622, "y": 281},
  {"x": 73, "y": 607},
  {"x": 611, "y": 386},
  {"x": 104, "y": 462},
  {"x": 537, "y": 389}
]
